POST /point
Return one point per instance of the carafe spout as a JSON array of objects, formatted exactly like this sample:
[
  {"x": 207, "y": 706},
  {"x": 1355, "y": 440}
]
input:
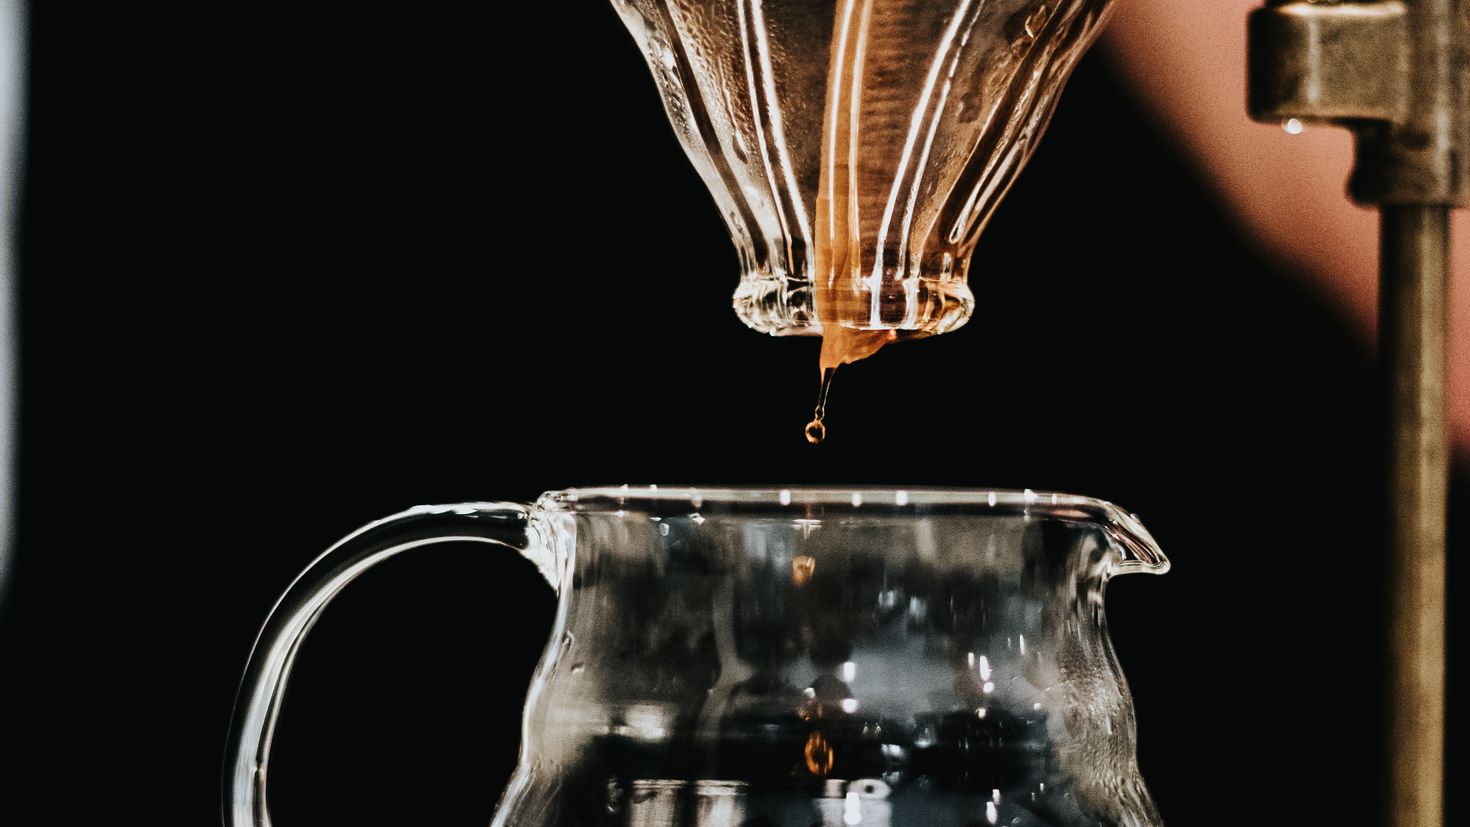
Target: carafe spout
[{"x": 1137, "y": 551}]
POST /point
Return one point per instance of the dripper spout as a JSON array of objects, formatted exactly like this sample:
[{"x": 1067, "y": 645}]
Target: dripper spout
[{"x": 1138, "y": 551}]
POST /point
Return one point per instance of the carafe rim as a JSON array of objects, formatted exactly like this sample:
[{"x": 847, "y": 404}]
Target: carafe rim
[{"x": 1136, "y": 547}]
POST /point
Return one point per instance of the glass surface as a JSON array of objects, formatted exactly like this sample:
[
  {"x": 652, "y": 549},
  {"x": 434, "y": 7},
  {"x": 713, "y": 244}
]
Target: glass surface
[
  {"x": 789, "y": 657},
  {"x": 857, "y": 148}
]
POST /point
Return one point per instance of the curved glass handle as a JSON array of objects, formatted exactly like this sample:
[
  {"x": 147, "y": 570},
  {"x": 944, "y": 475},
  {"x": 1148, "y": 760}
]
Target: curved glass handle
[{"x": 508, "y": 525}]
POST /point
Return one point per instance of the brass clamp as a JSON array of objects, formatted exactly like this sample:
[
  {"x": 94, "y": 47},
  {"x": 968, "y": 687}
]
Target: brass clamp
[{"x": 1396, "y": 72}]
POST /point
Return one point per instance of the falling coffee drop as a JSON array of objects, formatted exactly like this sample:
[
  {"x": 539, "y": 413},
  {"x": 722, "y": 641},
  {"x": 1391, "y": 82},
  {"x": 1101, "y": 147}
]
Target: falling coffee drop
[{"x": 816, "y": 430}]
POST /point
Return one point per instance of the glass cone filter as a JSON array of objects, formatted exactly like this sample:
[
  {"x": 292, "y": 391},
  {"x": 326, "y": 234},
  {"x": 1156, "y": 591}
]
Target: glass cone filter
[{"x": 857, "y": 148}]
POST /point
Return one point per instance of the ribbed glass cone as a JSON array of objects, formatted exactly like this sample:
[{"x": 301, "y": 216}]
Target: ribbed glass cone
[{"x": 857, "y": 148}]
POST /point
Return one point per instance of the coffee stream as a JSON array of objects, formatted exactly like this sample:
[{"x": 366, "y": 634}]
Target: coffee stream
[
  {"x": 840, "y": 346},
  {"x": 816, "y": 430},
  {"x": 838, "y": 261}
]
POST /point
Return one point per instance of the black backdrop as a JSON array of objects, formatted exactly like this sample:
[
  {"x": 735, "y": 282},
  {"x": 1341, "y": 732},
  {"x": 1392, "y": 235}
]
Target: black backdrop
[{"x": 286, "y": 271}]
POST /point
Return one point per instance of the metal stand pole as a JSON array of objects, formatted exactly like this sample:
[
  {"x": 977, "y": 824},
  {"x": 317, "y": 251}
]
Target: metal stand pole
[
  {"x": 1396, "y": 72},
  {"x": 1413, "y": 324}
]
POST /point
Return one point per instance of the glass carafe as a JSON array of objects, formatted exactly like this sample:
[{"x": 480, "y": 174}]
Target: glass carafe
[{"x": 787, "y": 657}]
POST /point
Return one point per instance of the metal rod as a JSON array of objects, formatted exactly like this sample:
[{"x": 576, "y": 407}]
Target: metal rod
[
  {"x": 1413, "y": 327},
  {"x": 1395, "y": 72}
]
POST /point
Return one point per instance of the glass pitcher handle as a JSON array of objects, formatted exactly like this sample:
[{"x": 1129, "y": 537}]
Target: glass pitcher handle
[{"x": 508, "y": 525}]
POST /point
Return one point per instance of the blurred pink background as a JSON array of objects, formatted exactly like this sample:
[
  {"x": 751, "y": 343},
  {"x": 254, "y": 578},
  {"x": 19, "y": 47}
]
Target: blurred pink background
[{"x": 1187, "y": 62}]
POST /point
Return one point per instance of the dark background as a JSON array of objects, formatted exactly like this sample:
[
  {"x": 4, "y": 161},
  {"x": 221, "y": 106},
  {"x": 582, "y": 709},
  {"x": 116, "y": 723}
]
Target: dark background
[{"x": 289, "y": 271}]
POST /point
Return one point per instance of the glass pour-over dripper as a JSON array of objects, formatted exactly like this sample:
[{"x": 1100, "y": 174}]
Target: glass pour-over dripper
[{"x": 856, "y": 148}]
